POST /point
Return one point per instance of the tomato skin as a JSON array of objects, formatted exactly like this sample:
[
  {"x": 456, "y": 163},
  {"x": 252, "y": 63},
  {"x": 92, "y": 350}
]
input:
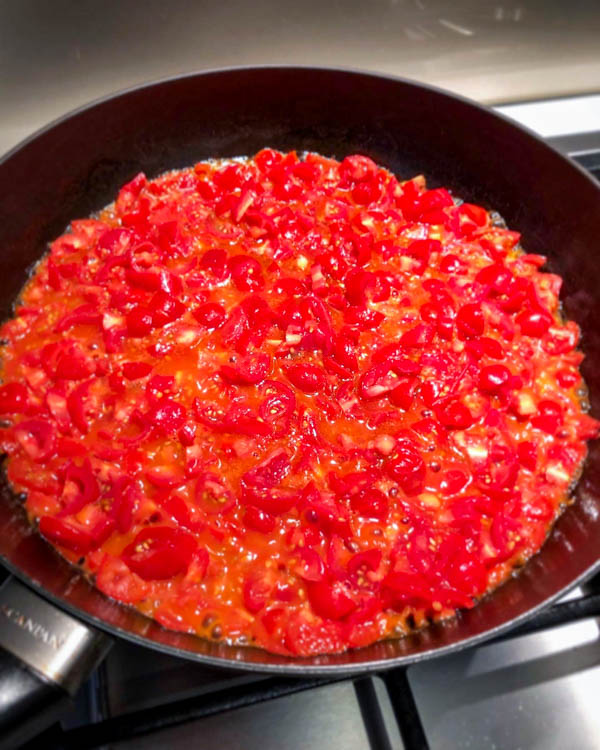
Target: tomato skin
[
  {"x": 330, "y": 600},
  {"x": 66, "y": 534},
  {"x": 407, "y": 467},
  {"x": 13, "y": 398},
  {"x": 259, "y": 520},
  {"x": 160, "y": 552},
  {"x": 311, "y": 566},
  {"x": 255, "y": 593}
]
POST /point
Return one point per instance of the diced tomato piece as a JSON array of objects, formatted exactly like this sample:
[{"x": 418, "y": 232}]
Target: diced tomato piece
[
  {"x": 307, "y": 377},
  {"x": 407, "y": 467},
  {"x": 330, "y": 600},
  {"x": 213, "y": 495},
  {"x": 136, "y": 370},
  {"x": 303, "y": 638},
  {"x": 210, "y": 315},
  {"x": 247, "y": 370},
  {"x": 273, "y": 501},
  {"x": 116, "y": 580},
  {"x": 125, "y": 495},
  {"x": 166, "y": 416},
  {"x": 66, "y": 534},
  {"x": 367, "y": 560},
  {"x": 246, "y": 273},
  {"x": 311, "y": 566},
  {"x": 256, "y": 592},
  {"x": 370, "y": 503},
  {"x": 159, "y": 552},
  {"x": 269, "y": 472},
  {"x": 80, "y": 488},
  {"x": 259, "y": 520},
  {"x": 37, "y": 438},
  {"x": 13, "y": 398}
]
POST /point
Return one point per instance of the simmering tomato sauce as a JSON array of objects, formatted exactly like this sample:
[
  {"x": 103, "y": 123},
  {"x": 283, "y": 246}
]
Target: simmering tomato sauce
[{"x": 292, "y": 402}]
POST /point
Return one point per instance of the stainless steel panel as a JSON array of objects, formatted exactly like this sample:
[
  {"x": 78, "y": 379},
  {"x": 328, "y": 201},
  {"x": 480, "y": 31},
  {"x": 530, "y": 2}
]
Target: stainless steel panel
[
  {"x": 58, "y": 55},
  {"x": 537, "y": 692},
  {"x": 327, "y": 717}
]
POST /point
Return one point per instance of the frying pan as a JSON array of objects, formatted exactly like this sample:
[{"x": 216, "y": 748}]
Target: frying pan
[{"x": 52, "y": 621}]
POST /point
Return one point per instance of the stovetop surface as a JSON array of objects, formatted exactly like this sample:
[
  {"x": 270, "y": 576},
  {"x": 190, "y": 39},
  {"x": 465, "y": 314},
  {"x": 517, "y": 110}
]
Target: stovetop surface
[{"x": 530, "y": 692}]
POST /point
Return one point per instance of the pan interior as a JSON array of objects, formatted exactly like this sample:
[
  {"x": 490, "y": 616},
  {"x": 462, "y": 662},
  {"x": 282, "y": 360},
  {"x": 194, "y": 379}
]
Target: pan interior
[{"x": 75, "y": 166}]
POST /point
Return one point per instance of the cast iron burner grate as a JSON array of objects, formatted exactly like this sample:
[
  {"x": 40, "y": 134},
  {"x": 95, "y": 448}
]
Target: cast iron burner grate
[{"x": 128, "y": 726}]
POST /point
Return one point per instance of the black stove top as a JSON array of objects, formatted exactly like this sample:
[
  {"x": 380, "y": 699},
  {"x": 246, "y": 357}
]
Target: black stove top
[{"x": 590, "y": 160}]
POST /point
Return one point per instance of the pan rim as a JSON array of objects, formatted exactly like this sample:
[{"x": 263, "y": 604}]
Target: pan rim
[
  {"x": 297, "y": 666},
  {"x": 359, "y": 72}
]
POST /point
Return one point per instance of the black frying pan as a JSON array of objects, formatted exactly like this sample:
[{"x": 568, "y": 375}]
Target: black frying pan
[{"x": 75, "y": 167}]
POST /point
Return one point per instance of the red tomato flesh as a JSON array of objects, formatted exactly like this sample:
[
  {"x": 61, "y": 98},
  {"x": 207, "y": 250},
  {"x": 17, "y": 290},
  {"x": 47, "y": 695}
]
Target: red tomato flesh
[{"x": 291, "y": 402}]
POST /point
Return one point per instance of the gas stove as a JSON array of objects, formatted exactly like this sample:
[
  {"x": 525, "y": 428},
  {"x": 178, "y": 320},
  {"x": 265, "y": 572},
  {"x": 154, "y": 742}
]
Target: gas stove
[{"x": 533, "y": 688}]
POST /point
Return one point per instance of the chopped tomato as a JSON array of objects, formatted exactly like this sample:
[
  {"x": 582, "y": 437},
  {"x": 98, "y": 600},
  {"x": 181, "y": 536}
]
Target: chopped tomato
[
  {"x": 159, "y": 552},
  {"x": 292, "y": 402},
  {"x": 115, "y": 579},
  {"x": 66, "y": 534}
]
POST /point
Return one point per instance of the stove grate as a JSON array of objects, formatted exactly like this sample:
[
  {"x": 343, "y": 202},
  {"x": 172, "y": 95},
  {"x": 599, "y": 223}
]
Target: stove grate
[{"x": 135, "y": 724}]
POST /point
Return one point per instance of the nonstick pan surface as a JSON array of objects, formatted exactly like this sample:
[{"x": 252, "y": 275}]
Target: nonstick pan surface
[{"x": 76, "y": 165}]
